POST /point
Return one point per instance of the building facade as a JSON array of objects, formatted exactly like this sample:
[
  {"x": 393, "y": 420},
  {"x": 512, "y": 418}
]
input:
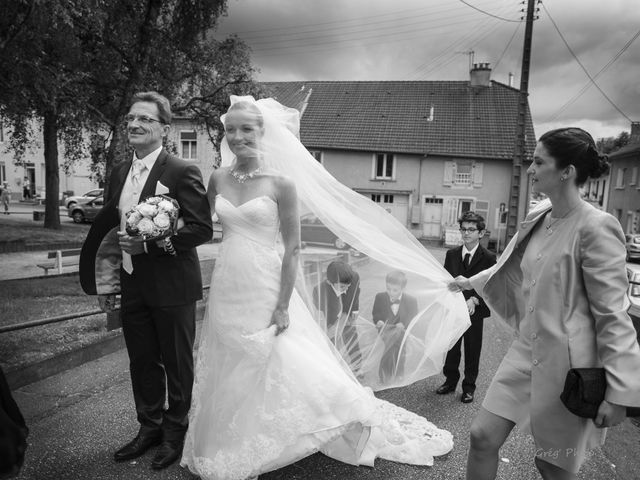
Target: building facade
[
  {"x": 624, "y": 190},
  {"x": 426, "y": 151}
]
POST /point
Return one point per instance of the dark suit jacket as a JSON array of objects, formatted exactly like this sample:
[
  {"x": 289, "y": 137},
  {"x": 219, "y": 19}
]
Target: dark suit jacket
[
  {"x": 164, "y": 279},
  {"x": 480, "y": 261},
  {"x": 327, "y": 302},
  {"x": 407, "y": 309}
]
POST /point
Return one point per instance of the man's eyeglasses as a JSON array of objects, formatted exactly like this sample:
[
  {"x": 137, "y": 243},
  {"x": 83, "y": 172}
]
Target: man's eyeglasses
[
  {"x": 144, "y": 119},
  {"x": 468, "y": 230}
]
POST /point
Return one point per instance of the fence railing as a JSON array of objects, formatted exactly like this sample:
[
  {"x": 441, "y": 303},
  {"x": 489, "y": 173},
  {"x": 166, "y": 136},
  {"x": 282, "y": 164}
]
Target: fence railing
[{"x": 312, "y": 270}]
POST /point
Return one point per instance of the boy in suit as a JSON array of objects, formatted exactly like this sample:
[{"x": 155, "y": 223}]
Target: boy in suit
[
  {"x": 338, "y": 298},
  {"x": 392, "y": 312},
  {"x": 468, "y": 259}
]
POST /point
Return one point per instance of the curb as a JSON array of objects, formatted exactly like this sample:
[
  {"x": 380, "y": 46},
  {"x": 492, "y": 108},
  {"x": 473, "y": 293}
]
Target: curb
[{"x": 65, "y": 361}]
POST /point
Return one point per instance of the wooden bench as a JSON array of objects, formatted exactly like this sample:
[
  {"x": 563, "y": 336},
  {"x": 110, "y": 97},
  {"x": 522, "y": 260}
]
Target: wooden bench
[{"x": 61, "y": 258}]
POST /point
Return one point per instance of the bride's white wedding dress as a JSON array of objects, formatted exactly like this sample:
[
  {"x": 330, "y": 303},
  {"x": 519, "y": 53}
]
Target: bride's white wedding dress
[{"x": 261, "y": 401}]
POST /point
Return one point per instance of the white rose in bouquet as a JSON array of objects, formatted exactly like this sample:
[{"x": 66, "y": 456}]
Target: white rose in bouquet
[
  {"x": 153, "y": 200},
  {"x": 162, "y": 220},
  {"x": 146, "y": 226},
  {"x": 133, "y": 218},
  {"x": 147, "y": 210},
  {"x": 166, "y": 206}
]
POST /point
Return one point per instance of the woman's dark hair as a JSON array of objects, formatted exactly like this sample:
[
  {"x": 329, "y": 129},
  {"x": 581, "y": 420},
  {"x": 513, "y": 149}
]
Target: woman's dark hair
[
  {"x": 244, "y": 105},
  {"x": 472, "y": 217},
  {"x": 339, "y": 271},
  {"x": 162, "y": 102},
  {"x": 574, "y": 146}
]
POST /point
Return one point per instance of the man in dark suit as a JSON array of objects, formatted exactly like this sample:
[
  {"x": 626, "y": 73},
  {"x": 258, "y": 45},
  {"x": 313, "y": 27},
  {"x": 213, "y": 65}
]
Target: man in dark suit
[
  {"x": 159, "y": 285},
  {"x": 468, "y": 259},
  {"x": 338, "y": 298},
  {"x": 392, "y": 312}
]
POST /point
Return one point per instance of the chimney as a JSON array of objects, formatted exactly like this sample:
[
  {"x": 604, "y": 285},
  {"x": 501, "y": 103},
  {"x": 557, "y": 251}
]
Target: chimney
[
  {"x": 635, "y": 133},
  {"x": 480, "y": 75},
  {"x": 510, "y": 79}
]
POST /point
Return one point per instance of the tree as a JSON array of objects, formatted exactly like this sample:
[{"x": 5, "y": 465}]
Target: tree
[
  {"x": 40, "y": 61},
  {"x": 612, "y": 144},
  {"x": 74, "y": 65}
]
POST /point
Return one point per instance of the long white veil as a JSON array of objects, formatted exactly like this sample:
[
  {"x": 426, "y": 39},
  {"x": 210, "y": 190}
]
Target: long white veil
[{"x": 387, "y": 353}]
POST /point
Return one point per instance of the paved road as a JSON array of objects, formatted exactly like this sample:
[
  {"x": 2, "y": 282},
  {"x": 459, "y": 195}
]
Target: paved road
[{"x": 78, "y": 418}]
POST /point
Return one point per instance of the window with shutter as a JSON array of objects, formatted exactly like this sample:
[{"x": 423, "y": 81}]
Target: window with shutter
[
  {"x": 620, "y": 178},
  {"x": 463, "y": 173},
  {"x": 478, "y": 168},
  {"x": 448, "y": 172},
  {"x": 482, "y": 209},
  {"x": 634, "y": 176}
]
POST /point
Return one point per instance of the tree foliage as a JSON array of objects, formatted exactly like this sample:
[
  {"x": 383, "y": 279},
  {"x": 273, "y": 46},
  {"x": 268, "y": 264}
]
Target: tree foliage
[
  {"x": 612, "y": 144},
  {"x": 73, "y": 65}
]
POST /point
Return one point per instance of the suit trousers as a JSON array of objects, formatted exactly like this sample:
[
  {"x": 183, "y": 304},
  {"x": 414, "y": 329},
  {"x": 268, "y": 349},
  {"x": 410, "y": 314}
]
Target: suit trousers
[
  {"x": 160, "y": 346},
  {"x": 472, "y": 339}
]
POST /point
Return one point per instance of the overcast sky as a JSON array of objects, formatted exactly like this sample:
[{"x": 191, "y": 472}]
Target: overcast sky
[{"x": 426, "y": 40}]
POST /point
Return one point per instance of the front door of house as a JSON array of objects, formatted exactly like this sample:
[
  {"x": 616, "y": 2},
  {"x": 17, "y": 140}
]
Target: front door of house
[{"x": 432, "y": 217}]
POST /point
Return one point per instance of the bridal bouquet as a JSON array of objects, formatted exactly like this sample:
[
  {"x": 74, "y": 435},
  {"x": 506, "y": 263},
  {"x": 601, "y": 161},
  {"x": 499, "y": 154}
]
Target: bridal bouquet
[{"x": 154, "y": 219}]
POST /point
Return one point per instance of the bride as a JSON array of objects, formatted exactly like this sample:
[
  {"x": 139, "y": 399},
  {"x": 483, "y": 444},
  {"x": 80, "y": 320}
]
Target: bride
[{"x": 270, "y": 387}]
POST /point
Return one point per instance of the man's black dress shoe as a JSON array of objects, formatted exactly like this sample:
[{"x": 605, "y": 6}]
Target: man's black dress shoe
[
  {"x": 167, "y": 454},
  {"x": 445, "y": 388},
  {"x": 466, "y": 397},
  {"x": 137, "y": 446}
]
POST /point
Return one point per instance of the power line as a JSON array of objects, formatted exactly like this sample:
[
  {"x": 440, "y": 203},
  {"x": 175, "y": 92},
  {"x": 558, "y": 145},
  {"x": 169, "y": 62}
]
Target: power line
[
  {"x": 490, "y": 14},
  {"x": 276, "y": 51},
  {"x": 583, "y": 67},
  {"x": 586, "y": 87},
  {"x": 495, "y": 67},
  {"x": 322, "y": 40},
  {"x": 279, "y": 30}
]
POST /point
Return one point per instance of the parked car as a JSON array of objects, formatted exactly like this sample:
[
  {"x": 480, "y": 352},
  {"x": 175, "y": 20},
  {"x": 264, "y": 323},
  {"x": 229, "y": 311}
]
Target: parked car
[
  {"x": 90, "y": 195},
  {"x": 633, "y": 273},
  {"x": 86, "y": 211},
  {"x": 633, "y": 246},
  {"x": 313, "y": 231}
]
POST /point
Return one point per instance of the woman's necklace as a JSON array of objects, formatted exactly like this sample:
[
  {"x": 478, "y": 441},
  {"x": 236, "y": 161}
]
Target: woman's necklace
[
  {"x": 551, "y": 222},
  {"x": 243, "y": 177}
]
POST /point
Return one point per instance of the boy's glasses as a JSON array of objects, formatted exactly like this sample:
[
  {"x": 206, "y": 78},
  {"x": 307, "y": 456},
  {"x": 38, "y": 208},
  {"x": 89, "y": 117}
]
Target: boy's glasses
[{"x": 468, "y": 230}]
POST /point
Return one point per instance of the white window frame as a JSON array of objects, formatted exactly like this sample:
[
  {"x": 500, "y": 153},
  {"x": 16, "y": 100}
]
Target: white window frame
[
  {"x": 386, "y": 157},
  {"x": 3, "y": 172},
  {"x": 191, "y": 144}
]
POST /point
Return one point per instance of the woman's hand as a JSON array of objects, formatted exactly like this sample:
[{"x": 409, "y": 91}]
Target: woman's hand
[
  {"x": 609, "y": 414},
  {"x": 280, "y": 319},
  {"x": 460, "y": 283}
]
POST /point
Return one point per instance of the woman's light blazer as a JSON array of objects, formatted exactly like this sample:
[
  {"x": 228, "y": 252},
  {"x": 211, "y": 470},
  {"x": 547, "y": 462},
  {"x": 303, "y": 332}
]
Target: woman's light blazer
[{"x": 579, "y": 307}]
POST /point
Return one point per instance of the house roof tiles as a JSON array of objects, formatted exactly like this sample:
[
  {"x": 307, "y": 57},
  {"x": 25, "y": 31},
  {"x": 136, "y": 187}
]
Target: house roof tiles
[{"x": 448, "y": 118}]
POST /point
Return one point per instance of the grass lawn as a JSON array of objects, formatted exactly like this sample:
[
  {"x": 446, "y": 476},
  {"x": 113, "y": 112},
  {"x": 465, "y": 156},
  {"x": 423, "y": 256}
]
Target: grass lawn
[
  {"x": 22, "y": 227},
  {"x": 31, "y": 299}
]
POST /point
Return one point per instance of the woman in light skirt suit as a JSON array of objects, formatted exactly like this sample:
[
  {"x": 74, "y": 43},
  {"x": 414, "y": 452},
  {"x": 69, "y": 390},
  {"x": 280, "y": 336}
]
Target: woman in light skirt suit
[{"x": 561, "y": 285}]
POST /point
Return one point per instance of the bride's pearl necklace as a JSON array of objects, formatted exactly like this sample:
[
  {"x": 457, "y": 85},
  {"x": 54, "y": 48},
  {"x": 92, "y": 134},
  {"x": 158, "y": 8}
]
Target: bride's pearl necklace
[{"x": 243, "y": 177}]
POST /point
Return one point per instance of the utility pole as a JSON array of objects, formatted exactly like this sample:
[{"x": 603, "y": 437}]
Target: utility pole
[{"x": 516, "y": 207}]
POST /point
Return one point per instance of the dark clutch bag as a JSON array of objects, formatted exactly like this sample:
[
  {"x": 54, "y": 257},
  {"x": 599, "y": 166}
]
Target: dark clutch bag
[{"x": 584, "y": 390}]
